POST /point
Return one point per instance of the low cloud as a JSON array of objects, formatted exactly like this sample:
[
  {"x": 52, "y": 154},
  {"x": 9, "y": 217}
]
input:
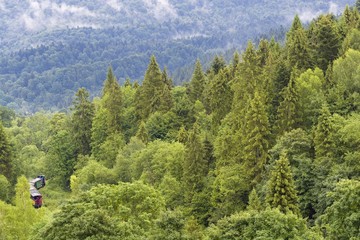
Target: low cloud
[
  {"x": 47, "y": 14},
  {"x": 307, "y": 15},
  {"x": 115, "y": 4},
  {"x": 334, "y": 8},
  {"x": 161, "y": 9}
]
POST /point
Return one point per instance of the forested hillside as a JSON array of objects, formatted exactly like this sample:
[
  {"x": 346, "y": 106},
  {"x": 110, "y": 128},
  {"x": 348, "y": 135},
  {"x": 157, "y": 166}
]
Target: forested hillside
[
  {"x": 263, "y": 147},
  {"x": 51, "y": 48}
]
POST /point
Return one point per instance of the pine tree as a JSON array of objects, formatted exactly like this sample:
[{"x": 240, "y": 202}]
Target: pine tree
[
  {"x": 357, "y": 5},
  {"x": 82, "y": 116},
  {"x": 256, "y": 141},
  {"x": 281, "y": 192},
  {"x": 196, "y": 86}
]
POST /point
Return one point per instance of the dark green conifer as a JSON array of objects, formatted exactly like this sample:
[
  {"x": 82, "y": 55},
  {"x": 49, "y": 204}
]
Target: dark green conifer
[
  {"x": 297, "y": 46},
  {"x": 6, "y": 156},
  {"x": 323, "y": 137},
  {"x": 287, "y": 112},
  {"x": 82, "y": 116},
  {"x": 196, "y": 86},
  {"x": 221, "y": 96},
  {"x": 217, "y": 64},
  {"x": 195, "y": 164},
  {"x": 112, "y": 101},
  {"x": 325, "y": 40},
  {"x": 256, "y": 139},
  {"x": 154, "y": 92},
  {"x": 281, "y": 192}
]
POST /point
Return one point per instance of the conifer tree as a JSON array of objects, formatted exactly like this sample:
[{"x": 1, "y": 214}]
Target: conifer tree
[
  {"x": 254, "y": 201},
  {"x": 153, "y": 92},
  {"x": 142, "y": 133},
  {"x": 197, "y": 82},
  {"x": 263, "y": 52},
  {"x": 6, "y": 156},
  {"x": 195, "y": 164},
  {"x": 112, "y": 101},
  {"x": 82, "y": 116},
  {"x": 235, "y": 64},
  {"x": 357, "y": 5},
  {"x": 217, "y": 64},
  {"x": 256, "y": 142},
  {"x": 281, "y": 192},
  {"x": 325, "y": 40},
  {"x": 287, "y": 111},
  {"x": 221, "y": 96},
  {"x": 298, "y": 52},
  {"x": 166, "y": 97},
  {"x": 323, "y": 140}
]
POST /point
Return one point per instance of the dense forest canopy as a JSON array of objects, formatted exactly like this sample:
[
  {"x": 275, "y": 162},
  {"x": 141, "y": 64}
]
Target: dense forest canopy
[
  {"x": 51, "y": 48},
  {"x": 263, "y": 147}
]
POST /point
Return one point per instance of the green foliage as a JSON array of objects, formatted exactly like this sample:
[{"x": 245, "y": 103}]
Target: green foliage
[
  {"x": 311, "y": 96},
  {"x": 298, "y": 51},
  {"x": 347, "y": 82},
  {"x": 197, "y": 83},
  {"x": 154, "y": 95},
  {"x": 342, "y": 218},
  {"x": 325, "y": 40},
  {"x": 126, "y": 210},
  {"x": 83, "y": 112},
  {"x": 267, "y": 224},
  {"x": 4, "y": 188},
  {"x": 256, "y": 141},
  {"x": 19, "y": 221},
  {"x": 6, "y": 156},
  {"x": 281, "y": 189}
]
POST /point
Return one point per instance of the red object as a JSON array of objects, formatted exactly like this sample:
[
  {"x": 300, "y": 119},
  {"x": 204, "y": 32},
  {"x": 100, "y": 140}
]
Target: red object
[{"x": 38, "y": 202}]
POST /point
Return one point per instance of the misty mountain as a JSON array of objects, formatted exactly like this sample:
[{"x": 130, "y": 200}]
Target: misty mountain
[{"x": 50, "y": 48}]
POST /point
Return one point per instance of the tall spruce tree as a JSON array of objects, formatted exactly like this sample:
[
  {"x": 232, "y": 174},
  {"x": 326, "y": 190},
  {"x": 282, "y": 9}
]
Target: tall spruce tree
[
  {"x": 82, "y": 116},
  {"x": 256, "y": 139},
  {"x": 323, "y": 136},
  {"x": 112, "y": 101},
  {"x": 221, "y": 96},
  {"x": 287, "y": 111},
  {"x": 195, "y": 165},
  {"x": 325, "y": 40},
  {"x": 153, "y": 91},
  {"x": 6, "y": 156},
  {"x": 281, "y": 192},
  {"x": 297, "y": 46},
  {"x": 196, "y": 86}
]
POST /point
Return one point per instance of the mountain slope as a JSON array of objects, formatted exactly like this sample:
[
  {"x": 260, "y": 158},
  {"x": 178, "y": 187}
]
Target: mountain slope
[{"x": 50, "y": 48}]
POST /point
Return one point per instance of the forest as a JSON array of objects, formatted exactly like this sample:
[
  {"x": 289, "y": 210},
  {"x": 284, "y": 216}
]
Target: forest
[
  {"x": 51, "y": 48},
  {"x": 263, "y": 147}
]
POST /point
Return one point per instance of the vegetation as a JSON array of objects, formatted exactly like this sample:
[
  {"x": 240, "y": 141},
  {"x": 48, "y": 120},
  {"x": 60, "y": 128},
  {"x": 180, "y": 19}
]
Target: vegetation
[
  {"x": 266, "y": 147},
  {"x": 51, "y": 49}
]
